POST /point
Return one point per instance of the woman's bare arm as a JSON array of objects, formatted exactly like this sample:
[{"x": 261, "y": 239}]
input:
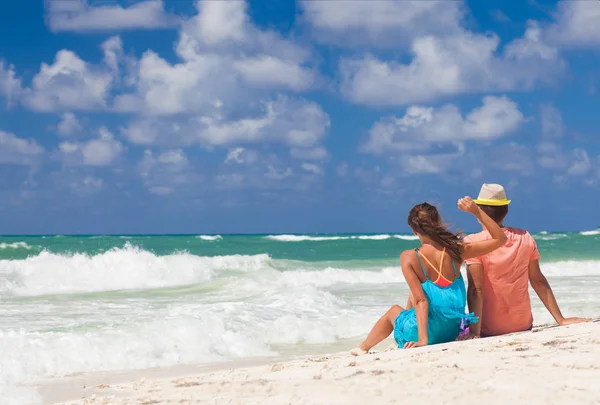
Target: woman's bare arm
[
  {"x": 418, "y": 298},
  {"x": 475, "y": 249}
]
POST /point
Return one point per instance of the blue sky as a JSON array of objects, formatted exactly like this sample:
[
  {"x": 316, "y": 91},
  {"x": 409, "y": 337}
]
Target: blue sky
[{"x": 294, "y": 116}]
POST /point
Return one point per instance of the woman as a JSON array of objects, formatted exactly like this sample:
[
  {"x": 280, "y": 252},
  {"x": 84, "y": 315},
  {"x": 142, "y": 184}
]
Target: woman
[{"x": 437, "y": 291}]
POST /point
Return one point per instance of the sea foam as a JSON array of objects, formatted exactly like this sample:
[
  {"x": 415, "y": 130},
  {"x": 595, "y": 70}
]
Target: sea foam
[
  {"x": 210, "y": 238},
  {"x": 117, "y": 269}
]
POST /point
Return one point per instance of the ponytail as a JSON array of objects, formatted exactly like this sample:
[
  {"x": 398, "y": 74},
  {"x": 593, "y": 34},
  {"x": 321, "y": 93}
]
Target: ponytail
[{"x": 425, "y": 220}]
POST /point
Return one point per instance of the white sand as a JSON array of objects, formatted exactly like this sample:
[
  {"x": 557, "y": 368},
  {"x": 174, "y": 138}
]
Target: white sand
[{"x": 548, "y": 366}]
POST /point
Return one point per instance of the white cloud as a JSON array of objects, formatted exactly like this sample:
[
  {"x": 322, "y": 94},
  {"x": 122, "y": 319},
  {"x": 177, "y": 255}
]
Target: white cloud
[
  {"x": 101, "y": 151},
  {"x": 113, "y": 51},
  {"x": 551, "y": 156},
  {"x": 69, "y": 124},
  {"x": 511, "y": 157},
  {"x": 167, "y": 171},
  {"x": 14, "y": 150},
  {"x": 312, "y": 168},
  {"x": 174, "y": 157},
  {"x": 241, "y": 156},
  {"x": 173, "y": 160},
  {"x": 79, "y": 16},
  {"x": 68, "y": 83},
  {"x": 423, "y": 126},
  {"x": 266, "y": 171},
  {"x": 268, "y": 71},
  {"x": 380, "y": 23},
  {"x": 465, "y": 62},
  {"x": 471, "y": 163},
  {"x": 226, "y": 62},
  {"x": 429, "y": 164},
  {"x": 274, "y": 173},
  {"x": 576, "y": 25},
  {"x": 10, "y": 84},
  {"x": 293, "y": 122},
  {"x": 232, "y": 86},
  {"x": 551, "y": 153},
  {"x": 219, "y": 22},
  {"x": 581, "y": 164},
  {"x": 234, "y": 155}
]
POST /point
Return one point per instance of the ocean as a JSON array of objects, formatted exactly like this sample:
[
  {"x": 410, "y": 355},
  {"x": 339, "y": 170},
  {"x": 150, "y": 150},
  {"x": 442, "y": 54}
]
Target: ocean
[{"x": 73, "y": 304}]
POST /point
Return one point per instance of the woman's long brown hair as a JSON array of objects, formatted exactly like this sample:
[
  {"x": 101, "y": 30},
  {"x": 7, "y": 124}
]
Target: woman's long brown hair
[{"x": 425, "y": 220}]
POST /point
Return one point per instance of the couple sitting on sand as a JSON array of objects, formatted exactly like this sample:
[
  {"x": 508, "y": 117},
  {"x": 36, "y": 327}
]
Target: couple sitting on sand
[{"x": 500, "y": 263}]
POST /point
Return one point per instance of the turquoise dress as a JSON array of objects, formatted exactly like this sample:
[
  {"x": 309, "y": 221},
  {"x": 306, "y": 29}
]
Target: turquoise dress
[{"x": 446, "y": 312}]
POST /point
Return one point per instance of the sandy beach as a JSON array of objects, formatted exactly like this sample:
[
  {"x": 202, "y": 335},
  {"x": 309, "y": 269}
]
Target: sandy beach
[{"x": 551, "y": 365}]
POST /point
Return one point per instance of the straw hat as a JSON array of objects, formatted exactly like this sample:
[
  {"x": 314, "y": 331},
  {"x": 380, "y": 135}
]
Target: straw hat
[{"x": 492, "y": 194}]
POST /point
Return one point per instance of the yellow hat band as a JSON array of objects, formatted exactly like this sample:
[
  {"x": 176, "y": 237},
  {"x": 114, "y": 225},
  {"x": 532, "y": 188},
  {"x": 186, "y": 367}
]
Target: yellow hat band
[{"x": 495, "y": 203}]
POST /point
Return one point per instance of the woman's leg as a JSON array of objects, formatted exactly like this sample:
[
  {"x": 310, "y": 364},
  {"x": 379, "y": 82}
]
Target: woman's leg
[{"x": 382, "y": 329}]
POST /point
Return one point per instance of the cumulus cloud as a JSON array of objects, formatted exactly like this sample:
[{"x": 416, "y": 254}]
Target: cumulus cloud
[
  {"x": 80, "y": 16},
  {"x": 427, "y": 164},
  {"x": 101, "y": 151},
  {"x": 269, "y": 71},
  {"x": 422, "y": 126},
  {"x": 164, "y": 172},
  {"x": 14, "y": 150},
  {"x": 576, "y": 25},
  {"x": 312, "y": 168},
  {"x": 581, "y": 164},
  {"x": 225, "y": 62},
  {"x": 289, "y": 121},
  {"x": 232, "y": 86},
  {"x": 113, "y": 51},
  {"x": 10, "y": 84},
  {"x": 69, "y": 124},
  {"x": 380, "y": 23},
  {"x": 473, "y": 162},
  {"x": 553, "y": 155},
  {"x": 259, "y": 171},
  {"x": 444, "y": 66},
  {"x": 171, "y": 160},
  {"x": 69, "y": 83},
  {"x": 241, "y": 156}
]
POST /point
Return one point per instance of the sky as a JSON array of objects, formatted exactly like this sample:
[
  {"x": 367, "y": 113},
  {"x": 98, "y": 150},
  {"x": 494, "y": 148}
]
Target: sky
[{"x": 182, "y": 116}]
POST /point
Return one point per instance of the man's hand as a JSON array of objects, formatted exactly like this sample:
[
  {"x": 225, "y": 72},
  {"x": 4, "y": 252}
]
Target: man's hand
[
  {"x": 410, "y": 345},
  {"x": 467, "y": 204},
  {"x": 573, "y": 320}
]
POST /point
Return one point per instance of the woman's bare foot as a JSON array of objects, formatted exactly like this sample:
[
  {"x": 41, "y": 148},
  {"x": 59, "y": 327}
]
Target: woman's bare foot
[{"x": 357, "y": 351}]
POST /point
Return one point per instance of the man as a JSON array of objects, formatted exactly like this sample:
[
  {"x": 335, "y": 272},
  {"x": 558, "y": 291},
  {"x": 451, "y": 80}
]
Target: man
[{"x": 498, "y": 282}]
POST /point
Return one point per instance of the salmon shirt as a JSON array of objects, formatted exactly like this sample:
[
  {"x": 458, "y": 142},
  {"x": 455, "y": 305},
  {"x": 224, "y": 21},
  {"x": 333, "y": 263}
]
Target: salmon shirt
[{"x": 506, "y": 301}]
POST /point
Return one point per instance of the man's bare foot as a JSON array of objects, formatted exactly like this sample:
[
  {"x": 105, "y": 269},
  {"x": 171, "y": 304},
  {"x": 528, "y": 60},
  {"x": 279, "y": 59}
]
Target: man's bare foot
[{"x": 357, "y": 351}]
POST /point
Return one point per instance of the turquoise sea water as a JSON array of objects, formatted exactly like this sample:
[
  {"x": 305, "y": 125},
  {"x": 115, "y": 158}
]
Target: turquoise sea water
[
  {"x": 85, "y": 303},
  {"x": 310, "y": 248}
]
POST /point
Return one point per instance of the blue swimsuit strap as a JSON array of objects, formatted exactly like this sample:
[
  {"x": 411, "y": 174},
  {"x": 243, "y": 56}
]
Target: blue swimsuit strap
[
  {"x": 454, "y": 267},
  {"x": 421, "y": 263}
]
